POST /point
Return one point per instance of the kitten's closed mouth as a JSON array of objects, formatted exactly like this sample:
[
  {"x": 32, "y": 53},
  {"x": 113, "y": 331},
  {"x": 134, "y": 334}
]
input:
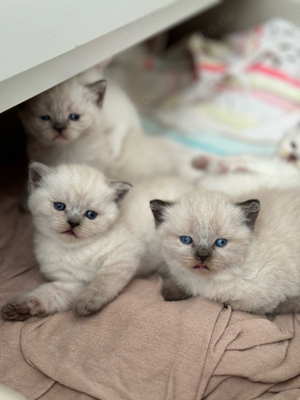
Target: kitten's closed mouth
[
  {"x": 201, "y": 266},
  {"x": 69, "y": 232},
  {"x": 59, "y": 137}
]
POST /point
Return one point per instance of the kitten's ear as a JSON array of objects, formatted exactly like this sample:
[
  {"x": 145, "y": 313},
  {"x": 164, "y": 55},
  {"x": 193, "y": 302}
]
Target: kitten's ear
[
  {"x": 250, "y": 210},
  {"x": 121, "y": 189},
  {"x": 98, "y": 88},
  {"x": 158, "y": 208},
  {"x": 37, "y": 171}
]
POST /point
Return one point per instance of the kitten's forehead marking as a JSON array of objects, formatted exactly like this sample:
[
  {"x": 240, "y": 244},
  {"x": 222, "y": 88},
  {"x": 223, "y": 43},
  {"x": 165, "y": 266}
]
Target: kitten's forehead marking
[
  {"x": 75, "y": 211},
  {"x": 59, "y": 116},
  {"x": 203, "y": 241}
]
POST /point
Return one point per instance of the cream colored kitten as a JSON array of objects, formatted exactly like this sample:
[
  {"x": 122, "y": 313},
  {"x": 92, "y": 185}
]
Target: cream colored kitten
[
  {"x": 232, "y": 252},
  {"x": 283, "y": 162},
  {"x": 289, "y": 147},
  {"x": 90, "y": 240},
  {"x": 78, "y": 123}
]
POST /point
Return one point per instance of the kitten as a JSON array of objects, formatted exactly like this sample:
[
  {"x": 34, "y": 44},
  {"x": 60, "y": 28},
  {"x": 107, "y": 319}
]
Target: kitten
[
  {"x": 289, "y": 147},
  {"x": 283, "y": 162},
  {"x": 92, "y": 237},
  {"x": 79, "y": 123},
  {"x": 232, "y": 252}
]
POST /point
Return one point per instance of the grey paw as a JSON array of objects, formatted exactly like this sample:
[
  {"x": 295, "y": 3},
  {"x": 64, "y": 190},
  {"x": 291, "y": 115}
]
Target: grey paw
[
  {"x": 172, "y": 292},
  {"x": 88, "y": 303},
  {"x": 20, "y": 308}
]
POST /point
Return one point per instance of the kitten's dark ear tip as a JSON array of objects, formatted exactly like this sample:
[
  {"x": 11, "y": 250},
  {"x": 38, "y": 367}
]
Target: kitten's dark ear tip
[
  {"x": 254, "y": 203},
  {"x": 99, "y": 89},
  {"x": 158, "y": 208},
  {"x": 155, "y": 203},
  {"x": 121, "y": 190},
  {"x": 250, "y": 209},
  {"x": 36, "y": 173}
]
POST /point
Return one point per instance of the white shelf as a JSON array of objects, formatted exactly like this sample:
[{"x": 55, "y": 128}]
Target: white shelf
[{"x": 44, "y": 43}]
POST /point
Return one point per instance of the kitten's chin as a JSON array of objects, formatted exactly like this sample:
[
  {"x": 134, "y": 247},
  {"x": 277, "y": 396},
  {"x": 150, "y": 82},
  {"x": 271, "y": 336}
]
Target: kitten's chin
[
  {"x": 68, "y": 238},
  {"x": 61, "y": 139}
]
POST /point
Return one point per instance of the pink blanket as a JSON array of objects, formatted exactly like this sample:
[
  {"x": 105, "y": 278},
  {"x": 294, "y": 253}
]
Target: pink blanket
[{"x": 139, "y": 347}]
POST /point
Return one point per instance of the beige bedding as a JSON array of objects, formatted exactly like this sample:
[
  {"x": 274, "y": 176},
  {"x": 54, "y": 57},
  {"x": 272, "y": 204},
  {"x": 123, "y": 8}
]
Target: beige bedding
[{"x": 139, "y": 347}]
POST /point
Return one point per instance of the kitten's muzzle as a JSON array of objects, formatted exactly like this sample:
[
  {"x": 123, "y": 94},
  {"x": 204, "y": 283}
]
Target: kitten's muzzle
[
  {"x": 59, "y": 127},
  {"x": 203, "y": 254},
  {"x": 292, "y": 157},
  {"x": 73, "y": 224}
]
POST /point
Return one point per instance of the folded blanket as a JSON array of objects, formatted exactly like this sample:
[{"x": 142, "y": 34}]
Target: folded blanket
[
  {"x": 139, "y": 347},
  {"x": 245, "y": 95}
]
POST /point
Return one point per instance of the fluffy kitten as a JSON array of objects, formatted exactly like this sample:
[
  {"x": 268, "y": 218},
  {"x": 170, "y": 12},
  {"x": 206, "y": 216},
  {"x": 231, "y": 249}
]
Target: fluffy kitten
[
  {"x": 90, "y": 239},
  {"x": 79, "y": 123},
  {"x": 289, "y": 147},
  {"x": 232, "y": 252},
  {"x": 282, "y": 163}
]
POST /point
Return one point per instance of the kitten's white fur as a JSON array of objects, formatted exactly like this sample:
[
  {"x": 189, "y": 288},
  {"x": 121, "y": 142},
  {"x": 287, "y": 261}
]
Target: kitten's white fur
[
  {"x": 266, "y": 171},
  {"x": 257, "y": 270},
  {"x": 98, "y": 134},
  {"x": 289, "y": 147},
  {"x": 108, "y": 250},
  {"x": 109, "y": 138}
]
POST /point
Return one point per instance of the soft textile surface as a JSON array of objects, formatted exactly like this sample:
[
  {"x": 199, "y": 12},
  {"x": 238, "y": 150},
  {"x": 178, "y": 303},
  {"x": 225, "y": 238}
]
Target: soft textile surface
[
  {"x": 139, "y": 347},
  {"x": 245, "y": 94}
]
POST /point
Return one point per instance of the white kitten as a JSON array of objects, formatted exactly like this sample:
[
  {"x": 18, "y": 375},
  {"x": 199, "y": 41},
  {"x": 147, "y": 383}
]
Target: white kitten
[
  {"x": 231, "y": 252},
  {"x": 281, "y": 164},
  {"x": 78, "y": 123},
  {"x": 86, "y": 232},
  {"x": 289, "y": 147}
]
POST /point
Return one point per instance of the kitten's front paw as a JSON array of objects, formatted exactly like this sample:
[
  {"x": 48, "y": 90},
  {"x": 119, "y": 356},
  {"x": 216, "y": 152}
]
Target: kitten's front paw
[
  {"x": 22, "y": 307},
  {"x": 171, "y": 292},
  {"x": 201, "y": 162},
  {"x": 211, "y": 164},
  {"x": 88, "y": 302}
]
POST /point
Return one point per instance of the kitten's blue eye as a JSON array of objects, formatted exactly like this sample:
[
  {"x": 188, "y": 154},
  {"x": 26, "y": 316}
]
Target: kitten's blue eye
[
  {"x": 221, "y": 242},
  {"x": 186, "y": 239},
  {"x": 45, "y": 117},
  {"x": 74, "y": 117},
  {"x": 60, "y": 206},
  {"x": 91, "y": 214},
  {"x": 293, "y": 144}
]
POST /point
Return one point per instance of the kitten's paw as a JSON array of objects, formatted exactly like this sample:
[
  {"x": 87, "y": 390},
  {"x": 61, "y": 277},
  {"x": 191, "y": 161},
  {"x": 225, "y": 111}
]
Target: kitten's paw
[
  {"x": 211, "y": 164},
  {"x": 88, "y": 302},
  {"x": 22, "y": 307},
  {"x": 171, "y": 292},
  {"x": 201, "y": 162}
]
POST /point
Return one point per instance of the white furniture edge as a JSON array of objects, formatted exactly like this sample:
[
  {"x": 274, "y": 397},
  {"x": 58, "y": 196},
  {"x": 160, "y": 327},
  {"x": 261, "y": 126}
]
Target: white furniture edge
[{"x": 46, "y": 75}]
